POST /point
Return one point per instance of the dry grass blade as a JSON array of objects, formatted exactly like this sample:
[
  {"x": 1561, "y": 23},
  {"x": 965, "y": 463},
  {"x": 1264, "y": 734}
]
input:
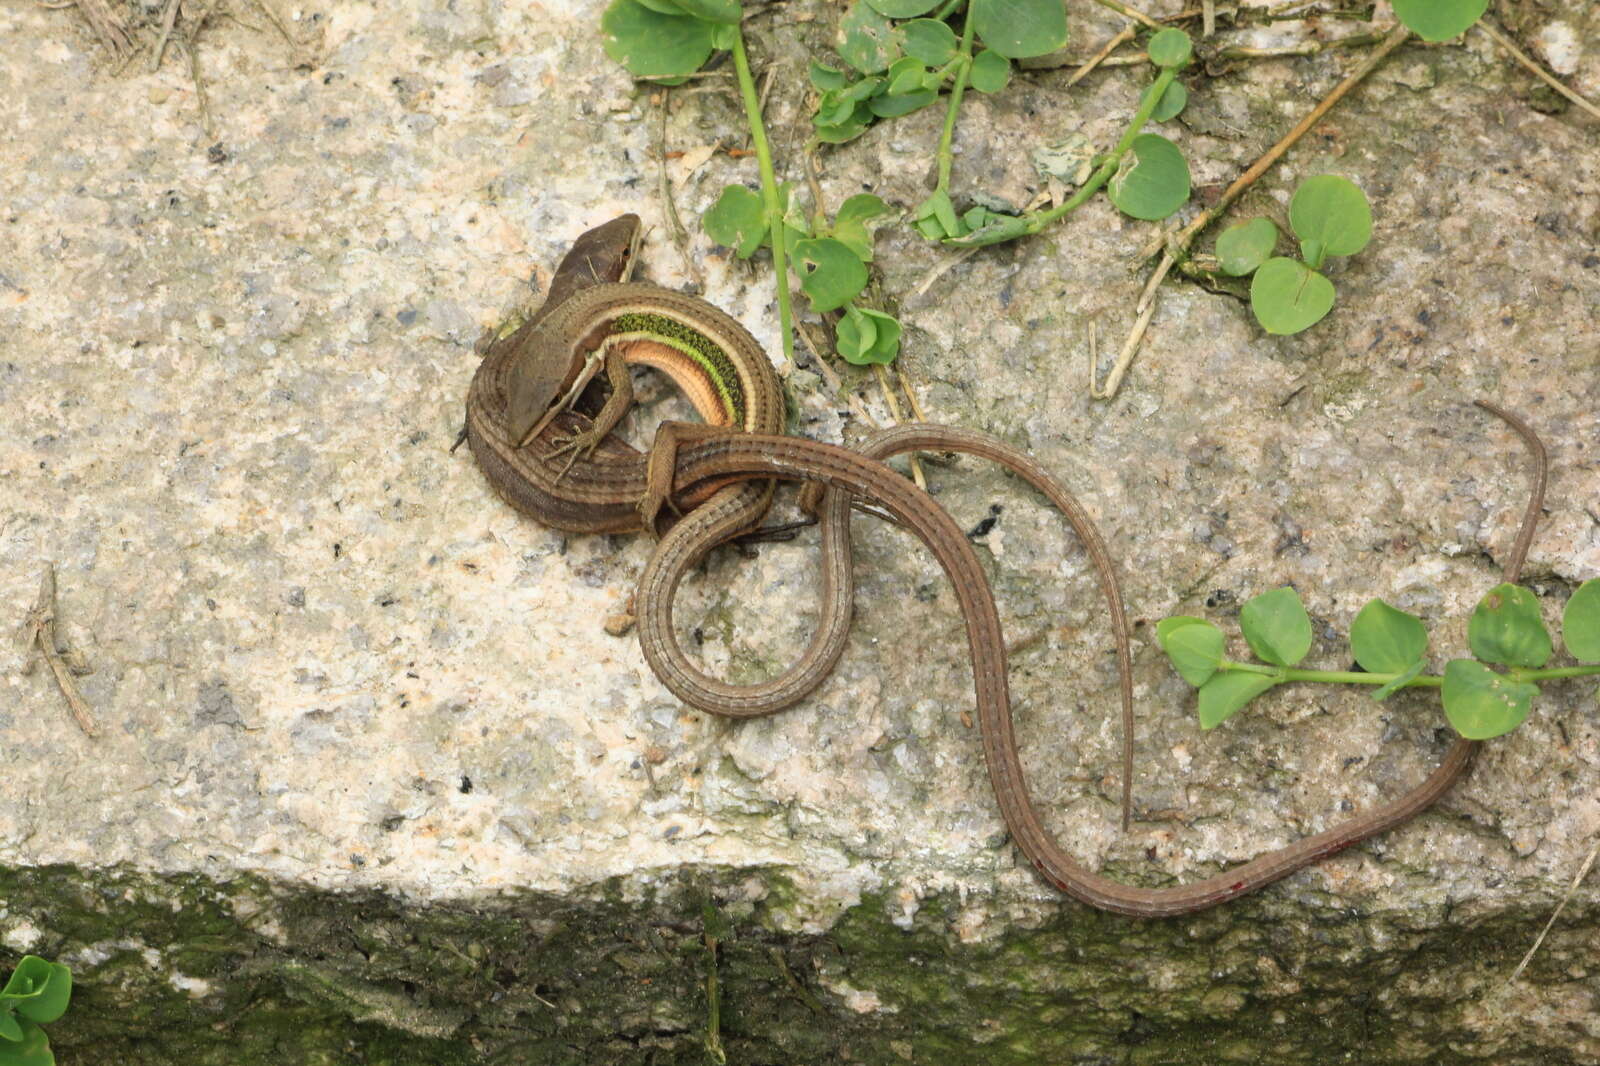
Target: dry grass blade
[
  {"x": 168, "y": 20},
  {"x": 1572, "y": 889},
  {"x": 1539, "y": 72},
  {"x": 107, "y": 25},
  {"x": 40, "y": 628}
]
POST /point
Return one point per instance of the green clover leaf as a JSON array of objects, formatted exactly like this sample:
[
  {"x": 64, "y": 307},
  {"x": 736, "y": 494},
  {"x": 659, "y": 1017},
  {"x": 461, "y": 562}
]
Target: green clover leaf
[
  {"x": 1276, "y": 626},
  {"x": 1506, "y": 628}
]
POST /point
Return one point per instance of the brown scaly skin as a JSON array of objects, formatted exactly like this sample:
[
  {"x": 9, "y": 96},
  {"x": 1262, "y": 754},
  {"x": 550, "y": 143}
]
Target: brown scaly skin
[{"x": 615, "y": 489}]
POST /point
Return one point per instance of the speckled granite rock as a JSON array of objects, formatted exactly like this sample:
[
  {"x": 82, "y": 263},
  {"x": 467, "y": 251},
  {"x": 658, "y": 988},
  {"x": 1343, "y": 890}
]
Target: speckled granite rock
[{"x": 376, "y": 786}]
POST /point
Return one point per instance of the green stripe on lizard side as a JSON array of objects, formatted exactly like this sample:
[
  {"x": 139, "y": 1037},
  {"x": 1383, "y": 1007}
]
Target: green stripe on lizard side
[{"x": 697, "y": 346}]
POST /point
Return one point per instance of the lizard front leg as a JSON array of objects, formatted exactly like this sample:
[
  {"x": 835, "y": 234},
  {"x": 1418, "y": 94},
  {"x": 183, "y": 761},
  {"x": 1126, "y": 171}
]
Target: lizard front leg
[{"x": 582, "y": 444}]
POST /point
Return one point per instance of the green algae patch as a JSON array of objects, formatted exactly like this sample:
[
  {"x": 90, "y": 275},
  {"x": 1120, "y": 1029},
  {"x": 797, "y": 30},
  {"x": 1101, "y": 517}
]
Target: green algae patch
[{"x": 173, "y": 970}]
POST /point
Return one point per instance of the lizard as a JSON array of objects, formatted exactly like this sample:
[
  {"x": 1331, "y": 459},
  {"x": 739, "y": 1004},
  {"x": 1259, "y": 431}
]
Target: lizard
[{"x": 613, "y": 488}]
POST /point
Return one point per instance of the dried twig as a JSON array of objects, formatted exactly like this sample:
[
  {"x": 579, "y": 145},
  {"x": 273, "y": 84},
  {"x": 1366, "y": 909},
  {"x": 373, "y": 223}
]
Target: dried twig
[
  {"x": 107, "y": 25},
  {"x": 40, "y": 628},
  {"x": 201, "y": 99},
  {"x": 938, "y": 269},
  {"x": 1539, "y": 72},
  {"x": 1583, "y": 871},
  {"x": 168, "y": 20},
  {"x": 831, "y": 376},
  {"x": 1099, "y": 57},
  {"x": 282, "y": 27},
  {"x": 911, "y": 396},
  {"x": 1306, "y": 48},
  {"x": 894, "y": 413}
]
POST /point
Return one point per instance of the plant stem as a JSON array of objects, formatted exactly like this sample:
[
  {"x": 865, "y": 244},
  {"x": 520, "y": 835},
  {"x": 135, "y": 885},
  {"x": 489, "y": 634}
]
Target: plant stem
[
  {"x": 964, "y": 59},
  {"x": 713, "y": 1042},
  {"x": 1332, "y": 677},
  {"x": 1356, "y": 677},
  {"x": 769, "y": 189}
]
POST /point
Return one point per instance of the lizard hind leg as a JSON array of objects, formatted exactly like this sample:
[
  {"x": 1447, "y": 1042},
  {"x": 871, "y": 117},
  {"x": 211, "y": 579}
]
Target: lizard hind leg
[{"x": 661, "y": 465}]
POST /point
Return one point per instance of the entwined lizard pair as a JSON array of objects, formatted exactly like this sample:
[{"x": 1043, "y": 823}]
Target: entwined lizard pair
[{"x": 568, "y": 472}]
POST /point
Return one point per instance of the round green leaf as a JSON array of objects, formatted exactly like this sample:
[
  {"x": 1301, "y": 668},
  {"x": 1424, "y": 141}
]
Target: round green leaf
[
  {"x": 1580, "y": 623},
  {"x": 1173, "y": 101},
  {"x": 887, "y": 345},
  {"x": 1506, "y": 628},
  {"x": 10, "y": 1030},
  {"x": 830, "y": 273},
  {"x": 859, "y": 208},
  {"x": 1439, "y": 20},
  {"x": 1481, "y": 703},
  {"x": 737, "y": 220},
  {"x": 1018, "y": 29},
  {"x": 1228, "y": 692},
  {"x": 906, "y": 75},
  {"x": 990, "y": 71},
  {"x": 1153, "y": 180},
  {"x": 1246, "y": 245},
  {"x": 653, "y": 45},
  {"x": 1194, "y": 646},
  {"x": 33, "y": 1050},
  {"x": 1387, "y": 640},
  {"x": 824, "y": 78},
  {"x": 928, "y": 40},
  {"x": 49, "y": 986},
  {"x": 1287, "y": 296},
  {"x": 850, "y": 224},
  {"x": 838, "y": 105},
  {"x": 1332, "y": 212},
  {"x": 856, "y": 334},
  {"x": 903, "y": 9},
  {"x": 866, "y": 336},
  {"x": 1276, "y": 626},
  {"x": 848, "y": 130},
  {"x": 867, "y": 39},
  {"x": 1170, "y": 47}
]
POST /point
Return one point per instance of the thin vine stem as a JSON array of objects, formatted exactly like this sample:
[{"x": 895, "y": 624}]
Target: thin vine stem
[
  {"x": 1356, "y": 677},
  {"x": 947, "y": 136},
  {"x": 769, "y": 190}
]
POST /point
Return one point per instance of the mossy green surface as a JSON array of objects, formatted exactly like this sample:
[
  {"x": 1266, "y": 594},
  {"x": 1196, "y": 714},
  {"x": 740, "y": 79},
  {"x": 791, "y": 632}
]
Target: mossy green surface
[{"x": 180, "y": 969}]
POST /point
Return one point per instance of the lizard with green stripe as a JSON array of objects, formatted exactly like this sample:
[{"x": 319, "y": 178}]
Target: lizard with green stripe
[{"x": 521, "y": 407}]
